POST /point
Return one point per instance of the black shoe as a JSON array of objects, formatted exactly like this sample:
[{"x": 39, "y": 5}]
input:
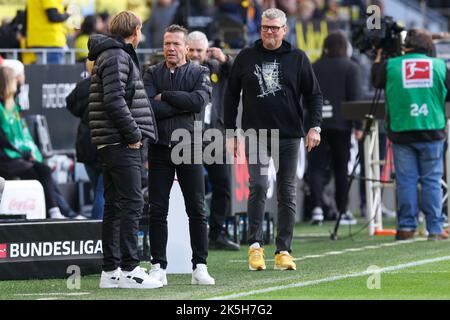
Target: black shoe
[
  {"x": 404, "y": 235},
  {"x": 223, "y": 243}
]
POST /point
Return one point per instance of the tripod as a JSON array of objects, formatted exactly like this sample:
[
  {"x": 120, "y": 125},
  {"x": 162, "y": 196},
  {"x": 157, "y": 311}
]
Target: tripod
[{"x": 369, "y": 121}]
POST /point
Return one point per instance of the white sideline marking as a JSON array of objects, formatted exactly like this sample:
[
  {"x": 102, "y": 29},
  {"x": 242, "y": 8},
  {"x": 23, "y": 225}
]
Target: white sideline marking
[
  {"x": 329, "y": 279},
  {"x": 52, "y": 294},
  {"x": 353, "y": 249},
  {"x": 330, "y": 253}
]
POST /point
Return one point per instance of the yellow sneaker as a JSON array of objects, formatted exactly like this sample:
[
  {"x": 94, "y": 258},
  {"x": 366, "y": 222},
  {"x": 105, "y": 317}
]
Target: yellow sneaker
[
  {"x": 284, "y": 261},
  {"x": 256, "y": 259}
]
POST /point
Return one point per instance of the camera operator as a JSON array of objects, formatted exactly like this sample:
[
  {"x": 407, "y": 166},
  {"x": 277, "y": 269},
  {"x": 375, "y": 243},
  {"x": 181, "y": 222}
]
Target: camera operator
[{"x": 416, "y": 90}]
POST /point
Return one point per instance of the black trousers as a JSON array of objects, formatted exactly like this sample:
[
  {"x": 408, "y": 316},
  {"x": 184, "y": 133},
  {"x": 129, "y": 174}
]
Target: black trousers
[
  {"x": 334, "y": 153},
  {"x": 123, "y": 206},
  {"x": 160, "y": 179},
  {"x": 286, "y": 192},
  {"x": 219, "y": 177},
  {"x": 43, "y": 174}
]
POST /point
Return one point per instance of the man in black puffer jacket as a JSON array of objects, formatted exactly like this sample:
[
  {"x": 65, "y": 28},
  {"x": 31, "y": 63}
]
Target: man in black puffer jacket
[{"x": 120, "y": 117}]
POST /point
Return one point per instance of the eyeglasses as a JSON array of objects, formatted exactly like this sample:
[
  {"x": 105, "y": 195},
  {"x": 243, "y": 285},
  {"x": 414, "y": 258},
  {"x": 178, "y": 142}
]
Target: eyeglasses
[{"x": 274, "y": 29}]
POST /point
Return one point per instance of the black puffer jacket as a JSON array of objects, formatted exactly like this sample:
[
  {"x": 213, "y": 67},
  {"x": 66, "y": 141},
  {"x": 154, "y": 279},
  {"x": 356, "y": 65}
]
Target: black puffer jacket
[
  {"x": 184, "y": 95},
  {"x": 119, "y": 109}
]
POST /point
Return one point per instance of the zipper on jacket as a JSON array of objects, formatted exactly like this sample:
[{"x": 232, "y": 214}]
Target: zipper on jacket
[{"x": 170, "y": 120}]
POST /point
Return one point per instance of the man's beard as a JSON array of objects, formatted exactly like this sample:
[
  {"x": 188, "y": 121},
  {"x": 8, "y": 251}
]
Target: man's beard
[{"x": 271, "y": 42}]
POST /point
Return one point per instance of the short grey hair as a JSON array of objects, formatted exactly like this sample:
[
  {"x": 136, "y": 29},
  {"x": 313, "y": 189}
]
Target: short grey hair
[
  {"x": 274, "y": 13},
  {"x": 198, "y": 36}
]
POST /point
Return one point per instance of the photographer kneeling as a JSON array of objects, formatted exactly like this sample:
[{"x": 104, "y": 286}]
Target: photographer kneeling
[{"x": 416, "y": 90}]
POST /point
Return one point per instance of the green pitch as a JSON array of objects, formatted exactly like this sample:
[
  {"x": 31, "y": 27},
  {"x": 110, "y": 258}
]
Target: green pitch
[{"x": 325, "y": 270}]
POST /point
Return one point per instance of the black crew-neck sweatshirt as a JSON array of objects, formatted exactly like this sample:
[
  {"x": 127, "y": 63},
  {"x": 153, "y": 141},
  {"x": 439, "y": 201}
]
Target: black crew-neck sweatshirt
[{"x": 273, "y": 83}]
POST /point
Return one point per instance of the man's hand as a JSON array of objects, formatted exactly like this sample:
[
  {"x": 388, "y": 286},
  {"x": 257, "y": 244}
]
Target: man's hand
[
  {"x": 359, "y": 134},
  {"x": 217, "y": 53},
  {"x": 312, "y": 139},
  {"x": 232, "y": 146},
  {"x": 379, "y": 56},
  {"x": 157, "y": 97},
  {"x": 71, "y": 9},
  {"x": 136, "y": 145}
]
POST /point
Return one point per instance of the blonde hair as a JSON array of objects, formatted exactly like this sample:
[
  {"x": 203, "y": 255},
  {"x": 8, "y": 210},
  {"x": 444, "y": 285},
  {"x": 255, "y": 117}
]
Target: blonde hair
[
  {"x": 124, "y": 23},
  {"x": 7, "y": 76},
  {"x": 89, "y": 66}
]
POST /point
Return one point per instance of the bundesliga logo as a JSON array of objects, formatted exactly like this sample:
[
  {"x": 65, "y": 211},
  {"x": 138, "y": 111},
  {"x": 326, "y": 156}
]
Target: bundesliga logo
[
  {"x": 3, "y": 251},
  {"x": 417, "y": 73},
  {"x": 47, "y": 249}
]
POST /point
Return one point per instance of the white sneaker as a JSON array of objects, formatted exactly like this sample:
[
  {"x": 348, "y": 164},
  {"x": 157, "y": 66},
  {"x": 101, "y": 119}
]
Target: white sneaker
[
  {"x": 110, "y": 279},
  {"x": 317, "y": 215},
  {"x": 158, "y": 273},
  {"x": 138, "y": 279},
  {"x": 347, "y": 219},
  {"x": 79, "y": 217},
  {"x": 201, "y": 276},
  {"x": 55, "y": 213}
]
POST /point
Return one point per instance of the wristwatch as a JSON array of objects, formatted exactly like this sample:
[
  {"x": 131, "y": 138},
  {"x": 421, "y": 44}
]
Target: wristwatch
[{"x": 317, "y": 129}]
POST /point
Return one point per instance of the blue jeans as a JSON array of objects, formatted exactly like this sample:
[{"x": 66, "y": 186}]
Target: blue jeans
[
  {"x": 419, "y": 162},
  {"x": 55, "y": 58},
  {"x": 96, "y": 178}
]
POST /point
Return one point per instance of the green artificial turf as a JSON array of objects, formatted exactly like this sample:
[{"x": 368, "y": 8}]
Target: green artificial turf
[{"x": 320, "y": 258}]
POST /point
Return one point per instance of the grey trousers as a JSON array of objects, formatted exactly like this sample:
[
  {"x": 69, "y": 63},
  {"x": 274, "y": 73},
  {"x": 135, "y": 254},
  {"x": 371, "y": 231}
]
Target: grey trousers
[{"x": 286, "y": 192}]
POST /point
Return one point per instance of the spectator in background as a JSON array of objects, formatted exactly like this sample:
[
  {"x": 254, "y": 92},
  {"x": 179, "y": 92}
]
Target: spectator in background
[
  {"x": 332, "y": 11},
  {"x": 306, "y": 10},
  {"x": 23, "y": 102},
  {"x": 320, "y": 9},
  {"x": 339, "y": 81},
  {"x": 289, "y": 7},
  {"x": 196, "y": 15},
  {"x": 245, "y": 13},
  {"x": 103, "y": 27},
  {"x": 45, "y": 27},
  {"x": 19, "y": 155},
  {"x": 163, "y": 12},
  {"x": 219, "y": 66},
  {"x": 91, "y": 24},
  {"x": 77, "y": 103},
  {"x": 11, "y": 31}
]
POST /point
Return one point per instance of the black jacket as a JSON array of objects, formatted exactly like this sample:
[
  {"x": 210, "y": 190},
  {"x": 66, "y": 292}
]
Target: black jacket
[
  {"x": 77, "y": 103},
  {"x": 339, "y": 81},
  {"x": 273, "y": 84},
  {"x": 184, "y": 95},
  {"x": 219, "y": 79},
  {"x": 119, "y": 110}
]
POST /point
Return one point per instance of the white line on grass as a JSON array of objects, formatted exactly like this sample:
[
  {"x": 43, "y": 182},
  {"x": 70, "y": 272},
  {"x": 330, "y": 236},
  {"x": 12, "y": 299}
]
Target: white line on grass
[
  {"x": 329, "y": 279},
  {"x": 335, "y": 253},
  {"x": 52, "y": 294}
]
